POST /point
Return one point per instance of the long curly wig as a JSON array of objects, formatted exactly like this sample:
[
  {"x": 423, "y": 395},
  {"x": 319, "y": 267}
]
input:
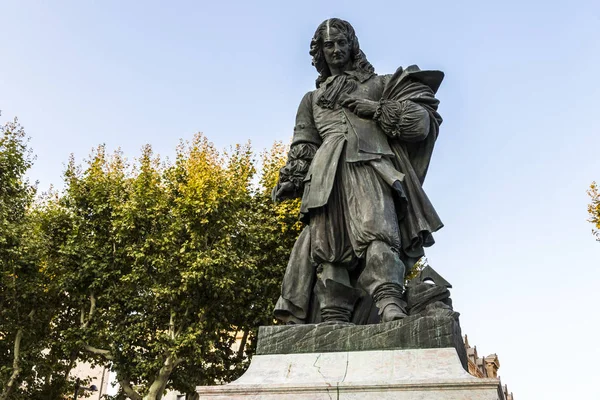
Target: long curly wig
[{"x": 358, "y": 58}]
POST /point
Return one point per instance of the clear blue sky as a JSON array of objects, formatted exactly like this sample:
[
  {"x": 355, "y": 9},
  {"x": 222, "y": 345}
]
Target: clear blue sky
[{"x": 519, "y": 145}]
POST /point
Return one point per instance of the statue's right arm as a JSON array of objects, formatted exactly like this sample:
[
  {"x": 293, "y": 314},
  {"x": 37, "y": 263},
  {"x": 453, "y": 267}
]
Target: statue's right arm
[{"x": 305, "y": 142}]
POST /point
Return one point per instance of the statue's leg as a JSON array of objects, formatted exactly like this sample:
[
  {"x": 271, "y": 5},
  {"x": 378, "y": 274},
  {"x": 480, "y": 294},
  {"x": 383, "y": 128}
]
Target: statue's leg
[
  {"x": 335, "y": 294},
  {"x": 383, "y": 278},
  {"x": 332, "y": 250},
  {"x": 373, "y": 229}
]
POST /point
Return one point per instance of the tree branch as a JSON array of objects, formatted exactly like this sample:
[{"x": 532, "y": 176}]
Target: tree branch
[
  {"x": 182, "y": 322},
  {"x": 72, "y": 359},
  {"x": 101, "y": 352},
  {"x": 240, "y": 352},
  {"x": 16, "y": 366},
  {"x": 179, "y": 330},
  {"x": 85, "y": 324},
  {"x": 126, "y": 386},
  {"x": 172, "y": 325}
]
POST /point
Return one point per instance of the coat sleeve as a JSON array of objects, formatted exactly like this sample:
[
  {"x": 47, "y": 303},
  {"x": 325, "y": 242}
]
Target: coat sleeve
[
  {"x": 405, "y": 120},
  {"x": 305, "y": 142},
  {"x": 401, "y": 115}
]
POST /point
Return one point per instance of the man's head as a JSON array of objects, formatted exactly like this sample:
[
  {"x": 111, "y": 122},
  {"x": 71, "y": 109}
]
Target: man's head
[{"x": 335, "y": 45}]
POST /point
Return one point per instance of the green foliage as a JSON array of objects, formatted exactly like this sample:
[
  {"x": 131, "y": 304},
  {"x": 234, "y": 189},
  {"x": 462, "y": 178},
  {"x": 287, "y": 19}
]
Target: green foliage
[
  {"x": 413, "y": 271},
  {"x": 17, "y": 274},
  {"x": 151, "y": 267},
  {"x": 28, "y": 299},
  {"x": 162, "y": 265},
  {"x": 594, "y": 209}
]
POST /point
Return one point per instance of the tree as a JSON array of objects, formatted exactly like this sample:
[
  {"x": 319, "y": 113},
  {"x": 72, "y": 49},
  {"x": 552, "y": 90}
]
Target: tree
[
  {"x": 17, "y": 306},
  {"x": 160, "y": 265},
  {"x": 27, "y": 300},
  {"x": 153, "y": 268},
  {"x": 594, "y": 209},
  {"x": 34, "y": 362}
]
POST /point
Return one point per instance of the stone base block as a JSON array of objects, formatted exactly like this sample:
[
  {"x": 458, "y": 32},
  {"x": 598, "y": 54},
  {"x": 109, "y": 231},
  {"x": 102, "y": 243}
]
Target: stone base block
[
  {"x": 434, "y": 328},
  {"x": 422, "y": 374}
]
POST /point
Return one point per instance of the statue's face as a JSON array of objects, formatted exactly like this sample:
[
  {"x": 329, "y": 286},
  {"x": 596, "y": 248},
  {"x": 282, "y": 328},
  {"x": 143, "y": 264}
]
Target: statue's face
[{"x": 336, "y": 48}]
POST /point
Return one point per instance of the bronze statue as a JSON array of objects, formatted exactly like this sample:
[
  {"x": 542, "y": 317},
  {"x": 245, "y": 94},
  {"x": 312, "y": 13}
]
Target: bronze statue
[{"x": 359, "y": 155}]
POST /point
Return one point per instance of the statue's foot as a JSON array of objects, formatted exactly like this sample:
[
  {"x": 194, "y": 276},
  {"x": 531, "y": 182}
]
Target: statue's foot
[{"x": 392, "y": 312}]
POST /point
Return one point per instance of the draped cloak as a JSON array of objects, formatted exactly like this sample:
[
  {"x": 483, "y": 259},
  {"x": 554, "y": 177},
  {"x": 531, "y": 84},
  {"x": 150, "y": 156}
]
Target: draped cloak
[{"x": 312, "y": 169}]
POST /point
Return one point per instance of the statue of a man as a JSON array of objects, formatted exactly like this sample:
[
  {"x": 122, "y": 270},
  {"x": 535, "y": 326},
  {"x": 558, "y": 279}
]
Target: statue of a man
[{"x": 360, "y": 152}]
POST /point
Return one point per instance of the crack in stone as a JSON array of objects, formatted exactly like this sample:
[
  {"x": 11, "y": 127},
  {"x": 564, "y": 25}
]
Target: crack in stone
[
  {"x": 325, "y": 379},
  {"x": 346, "y": 371}
]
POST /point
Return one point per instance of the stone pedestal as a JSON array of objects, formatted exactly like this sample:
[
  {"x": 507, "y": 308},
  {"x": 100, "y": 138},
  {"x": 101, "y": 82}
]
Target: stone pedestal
[
  {"x": 435, "y": 328},
  {"x": 423, "y": 374},
  {"x": 419, "y": 357}
]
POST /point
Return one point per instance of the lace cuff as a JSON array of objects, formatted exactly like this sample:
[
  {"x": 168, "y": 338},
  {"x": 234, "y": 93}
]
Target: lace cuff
[
  {"x": 402, "y": 120},
  {"x": 296, "y": 168}
]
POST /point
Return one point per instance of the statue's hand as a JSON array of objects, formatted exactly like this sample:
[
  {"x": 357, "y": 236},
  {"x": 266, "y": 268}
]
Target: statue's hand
[
  {"x": 361, "y": 107},
  {"x": 283, "y": 191}
]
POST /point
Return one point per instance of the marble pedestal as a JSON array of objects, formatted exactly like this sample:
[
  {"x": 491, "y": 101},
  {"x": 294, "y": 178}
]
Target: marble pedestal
[{"x": 411, "y": 374}]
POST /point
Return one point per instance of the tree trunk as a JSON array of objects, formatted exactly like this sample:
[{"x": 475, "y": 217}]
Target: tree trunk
[
  {"x": 16, "y": 367},
  {"x": 160, "y": 383},
  {"x": 240, "y": 352}
]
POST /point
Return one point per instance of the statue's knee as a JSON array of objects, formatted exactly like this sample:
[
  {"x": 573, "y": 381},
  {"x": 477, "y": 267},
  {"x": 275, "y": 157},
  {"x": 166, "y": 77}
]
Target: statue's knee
[
  {"x": 383, "y": 262},
  {"x": 381, "y": 250}
]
